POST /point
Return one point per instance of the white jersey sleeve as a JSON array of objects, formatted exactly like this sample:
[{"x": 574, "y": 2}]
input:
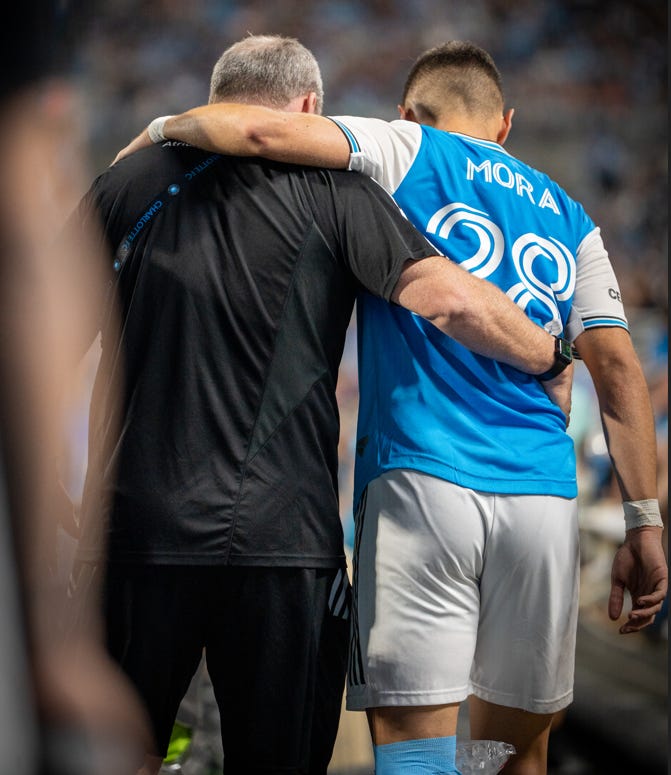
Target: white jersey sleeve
[
  {"x": 383, "y": 150},
  {"x": 597, "y": 301}
]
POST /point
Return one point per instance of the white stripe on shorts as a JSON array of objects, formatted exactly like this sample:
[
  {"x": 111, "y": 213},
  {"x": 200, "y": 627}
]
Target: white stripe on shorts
[{"x": 338, "y": 597}]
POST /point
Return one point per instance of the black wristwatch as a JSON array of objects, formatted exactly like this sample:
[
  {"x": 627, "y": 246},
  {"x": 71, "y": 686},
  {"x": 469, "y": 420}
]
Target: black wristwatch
[{"x": 563, "y": 356}]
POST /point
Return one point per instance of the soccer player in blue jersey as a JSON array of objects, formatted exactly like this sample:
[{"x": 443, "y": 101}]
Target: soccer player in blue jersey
[{"x": 466, "y": 556}]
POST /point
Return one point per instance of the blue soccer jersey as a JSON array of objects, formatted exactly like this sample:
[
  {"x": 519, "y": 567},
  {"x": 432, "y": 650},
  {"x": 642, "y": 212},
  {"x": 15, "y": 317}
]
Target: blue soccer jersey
[{"x": 426, "y": 402}]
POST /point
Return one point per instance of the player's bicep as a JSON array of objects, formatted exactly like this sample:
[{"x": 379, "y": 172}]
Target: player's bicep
[
  {"x": 424, "y": 287},
  {"x": 604, "y": 349}
]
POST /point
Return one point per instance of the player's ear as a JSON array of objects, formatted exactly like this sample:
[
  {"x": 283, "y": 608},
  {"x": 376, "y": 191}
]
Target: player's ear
[
  {"x": 407, "y": 114},
  {"x": 506, "y": 124}
]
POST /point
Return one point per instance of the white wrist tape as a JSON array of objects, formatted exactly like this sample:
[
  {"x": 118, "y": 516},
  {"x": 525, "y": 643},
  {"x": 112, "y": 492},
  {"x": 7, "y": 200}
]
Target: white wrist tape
[
  {"x": 642, "y": 514},
  {"x": 155, "y": 129}
]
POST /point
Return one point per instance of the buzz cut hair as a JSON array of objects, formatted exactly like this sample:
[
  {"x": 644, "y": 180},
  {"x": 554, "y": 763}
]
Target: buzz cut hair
[
  {"x": 456, "y": 76},
  {"x": 268, "y": 70}
]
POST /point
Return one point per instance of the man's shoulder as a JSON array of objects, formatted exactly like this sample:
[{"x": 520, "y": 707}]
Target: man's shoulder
[
  {"x": 163, "y": 168},
  {"x": 349, "y": 184},
  {"x": 161, "y": 156}
]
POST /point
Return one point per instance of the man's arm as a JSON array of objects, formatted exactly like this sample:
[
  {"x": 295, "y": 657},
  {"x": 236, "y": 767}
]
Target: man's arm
[
  {"x": 505, "y": 334},
  {"x": 626, "y": 414},
  {"x": 480, "y": 316},
  {"x": 250, "y": 130}
]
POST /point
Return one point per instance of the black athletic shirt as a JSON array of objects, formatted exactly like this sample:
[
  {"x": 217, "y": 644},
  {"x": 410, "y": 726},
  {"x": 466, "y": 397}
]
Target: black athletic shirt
[{"x": 237, "y": 280}]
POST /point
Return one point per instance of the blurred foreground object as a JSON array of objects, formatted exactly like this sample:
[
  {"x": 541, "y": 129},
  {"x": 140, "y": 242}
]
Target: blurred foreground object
[{"x": 64, "y": 710}]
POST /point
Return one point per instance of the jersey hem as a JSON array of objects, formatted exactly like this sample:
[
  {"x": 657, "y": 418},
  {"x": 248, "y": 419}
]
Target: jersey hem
[{"x": 563, "y": 488}]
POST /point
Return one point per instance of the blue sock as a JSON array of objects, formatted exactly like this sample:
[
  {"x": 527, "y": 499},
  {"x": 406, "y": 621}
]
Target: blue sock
[{"x": 427, "y": 756}]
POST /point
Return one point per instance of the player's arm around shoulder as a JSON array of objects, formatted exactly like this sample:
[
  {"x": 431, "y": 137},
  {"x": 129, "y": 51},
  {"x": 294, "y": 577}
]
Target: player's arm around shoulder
[{"x": 252, "y": 130}]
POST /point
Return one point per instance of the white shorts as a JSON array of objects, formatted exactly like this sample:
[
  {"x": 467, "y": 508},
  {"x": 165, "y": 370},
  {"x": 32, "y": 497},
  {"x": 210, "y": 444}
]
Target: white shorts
[{"x": 459, "y": 592}]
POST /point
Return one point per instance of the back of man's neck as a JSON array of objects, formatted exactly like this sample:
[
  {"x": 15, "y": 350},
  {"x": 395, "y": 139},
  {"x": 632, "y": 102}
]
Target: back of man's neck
[{"x": 464, "y": 127}]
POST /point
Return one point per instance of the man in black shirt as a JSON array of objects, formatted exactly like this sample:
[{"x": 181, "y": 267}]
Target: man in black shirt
[{"x": 236, "y": 281}]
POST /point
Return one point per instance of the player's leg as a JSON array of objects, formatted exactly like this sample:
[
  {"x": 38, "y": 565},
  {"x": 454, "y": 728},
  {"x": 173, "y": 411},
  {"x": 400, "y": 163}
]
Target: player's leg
[
  {"x": 418, "y": 554},
  {"x": 276, "y": 655},
  {"x": 528, "y": 732},
  {"x": 524, "y": 660},
  {"x": 396, "y": 723},
  {"x": 142, "y": 605},
  {"x": 417, "y": 739}
]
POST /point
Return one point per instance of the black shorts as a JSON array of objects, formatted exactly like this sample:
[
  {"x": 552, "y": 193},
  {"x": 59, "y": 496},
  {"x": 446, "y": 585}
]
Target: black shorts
[{"x": 275, "y": 642}]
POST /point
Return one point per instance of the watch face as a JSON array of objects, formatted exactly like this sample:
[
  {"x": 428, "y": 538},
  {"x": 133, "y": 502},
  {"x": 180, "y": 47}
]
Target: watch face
[
  {"x": 564, "y": 350},
  {"x": 563, "y": 356}
]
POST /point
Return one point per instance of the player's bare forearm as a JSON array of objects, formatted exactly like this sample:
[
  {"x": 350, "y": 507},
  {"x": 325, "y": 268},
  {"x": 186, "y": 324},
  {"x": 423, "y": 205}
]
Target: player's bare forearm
[
  {"x": 478, "y": 315},
  {"x": 639, "y": 566},
  {"x": 251, "y": 130},
  {"x": 625, "y": 407}
]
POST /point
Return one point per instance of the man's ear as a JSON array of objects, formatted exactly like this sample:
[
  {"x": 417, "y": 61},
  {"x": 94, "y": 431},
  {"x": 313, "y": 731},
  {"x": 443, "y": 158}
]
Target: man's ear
[
  {"x": 506, "y": 125},
  {"x": 304, "y": 103},
  {"x": 407, "y": 114},
  {"x": 310, "y": 103}
]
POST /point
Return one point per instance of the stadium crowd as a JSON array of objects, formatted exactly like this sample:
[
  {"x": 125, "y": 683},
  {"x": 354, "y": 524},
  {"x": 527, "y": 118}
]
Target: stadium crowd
[{"x": 588, "y": 81}]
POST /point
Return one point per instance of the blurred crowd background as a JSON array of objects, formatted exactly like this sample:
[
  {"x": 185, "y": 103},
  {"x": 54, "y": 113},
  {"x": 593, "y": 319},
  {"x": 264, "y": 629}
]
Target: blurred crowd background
[{"x": 587, "y": 79}]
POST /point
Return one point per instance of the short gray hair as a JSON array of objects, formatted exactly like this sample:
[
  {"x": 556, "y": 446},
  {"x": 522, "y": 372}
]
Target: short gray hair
[{"x": 268, "y": 70}]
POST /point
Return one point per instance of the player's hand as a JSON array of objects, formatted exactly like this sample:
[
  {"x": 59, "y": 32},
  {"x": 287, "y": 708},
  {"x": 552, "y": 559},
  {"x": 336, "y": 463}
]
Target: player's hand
[
  {"x": 559, "y": 390},
  {"x": 141, "y": 141},
  {"x": 640, "y": 568}
]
